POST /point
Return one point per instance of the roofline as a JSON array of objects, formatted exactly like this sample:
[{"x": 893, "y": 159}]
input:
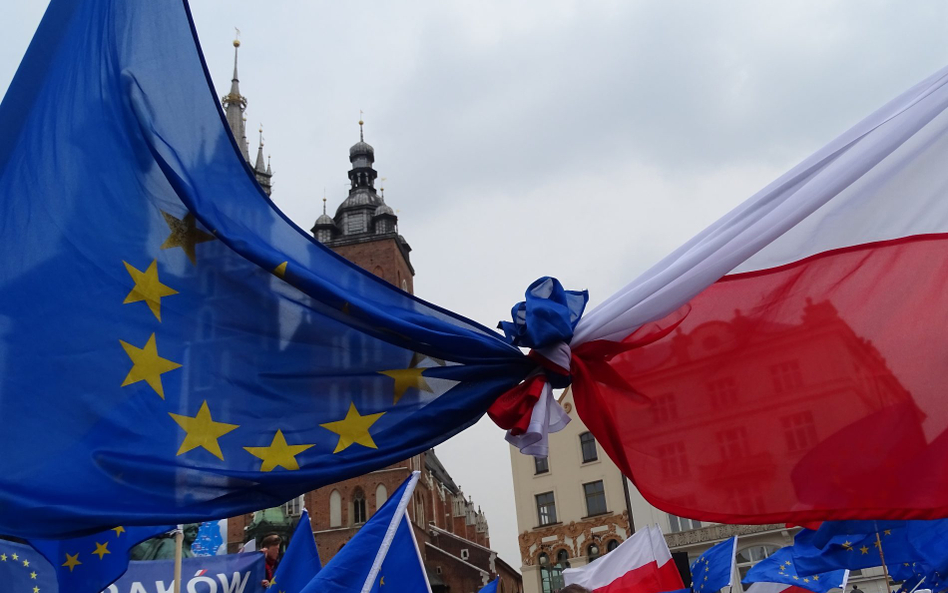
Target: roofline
[{"x": 455, "y": 536}]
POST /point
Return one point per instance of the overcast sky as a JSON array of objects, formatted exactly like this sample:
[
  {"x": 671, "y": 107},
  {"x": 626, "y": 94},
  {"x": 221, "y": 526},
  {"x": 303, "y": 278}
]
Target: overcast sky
[{"x": 578, "y": 139}]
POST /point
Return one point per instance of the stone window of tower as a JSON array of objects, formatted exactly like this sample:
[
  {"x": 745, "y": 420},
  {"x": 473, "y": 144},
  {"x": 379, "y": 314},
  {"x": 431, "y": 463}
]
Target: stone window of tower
[
  {"x": 323, "y": 235},
  {"x": 355, "y": 223},
  {"x": 358, "y": 507}
]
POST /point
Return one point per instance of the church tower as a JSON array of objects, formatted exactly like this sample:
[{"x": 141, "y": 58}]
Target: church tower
[
  {"x": 234, "y": 106},
  {"x": 365, "y": 229}
]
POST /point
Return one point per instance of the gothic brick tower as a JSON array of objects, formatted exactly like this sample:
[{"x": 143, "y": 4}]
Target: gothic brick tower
[{"x": 365, "y": 228}]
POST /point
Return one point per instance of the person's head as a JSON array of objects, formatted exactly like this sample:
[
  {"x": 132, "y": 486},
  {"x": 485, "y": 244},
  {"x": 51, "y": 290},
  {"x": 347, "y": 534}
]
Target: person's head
[
  {"x": 270, "y": 546},
  {"x": 574, "y": 588}
]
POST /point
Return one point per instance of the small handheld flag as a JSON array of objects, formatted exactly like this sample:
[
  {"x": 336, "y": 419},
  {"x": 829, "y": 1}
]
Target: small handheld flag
[
  {"x": 714, "y": 569},
  {"x": 301, "y": 562},
  {"x": 779, "y": 568}
]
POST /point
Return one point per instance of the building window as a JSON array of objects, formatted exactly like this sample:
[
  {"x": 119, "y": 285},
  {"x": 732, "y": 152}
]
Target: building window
[
  {"x": 799, "y": 430},
  {"x": 595, "y": 498},
  {"x": 546, "y": 508},
  {"x": 551, "y": 576},
  {"x": 465, "y": 554},
  {"x": 663, "y": 408},
  {"x": 786, "y": 376},
  {"x": 335, "y": 509},
  {"x": 748, "y": 557},
  {"x": 294, "y": 507},
  {"x": 723, "y": 393},
  {"x": 588, "y": 444},
  {"x": 358, "y": 507},
  {"x": 542, "y": 464},
  {"x": 355, "y": 223},
  {"x": 682, "y": 524},
  {"x": 381, "y": 495},
  {"x": 611, "y": 545},
  {"x": 733, "y": 444},
  {"x": 673, "y": 459},
  {"x": 592, "y": 552}
]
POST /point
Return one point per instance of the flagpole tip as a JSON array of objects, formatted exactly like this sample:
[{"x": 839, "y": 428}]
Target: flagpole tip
[{"x": 236, "y": 42}]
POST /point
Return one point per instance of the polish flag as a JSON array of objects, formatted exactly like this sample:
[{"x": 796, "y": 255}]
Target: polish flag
[
  {"x": 641, "y": 564},
  {"x": 789, "y": 363}
]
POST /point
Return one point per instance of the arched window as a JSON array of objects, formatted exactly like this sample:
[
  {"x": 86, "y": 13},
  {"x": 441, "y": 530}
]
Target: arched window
[
  {"x": 381, "y": 495},
  {"x": 335, "y": 509},
  {"x": 611, "y": 545},
  {"x": 546, "y": 573},
  {"x": 748, "y": 557},
  {"x": 592, "y": 552},
  {"x": 358, "y": 506}
]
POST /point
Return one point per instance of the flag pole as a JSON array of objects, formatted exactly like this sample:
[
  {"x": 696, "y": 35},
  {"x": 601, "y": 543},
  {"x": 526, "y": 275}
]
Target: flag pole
[
  {"x": 885, "y": 570},
  {"x": 917, "y": 585},
  {"x": 178, "y": 551}
]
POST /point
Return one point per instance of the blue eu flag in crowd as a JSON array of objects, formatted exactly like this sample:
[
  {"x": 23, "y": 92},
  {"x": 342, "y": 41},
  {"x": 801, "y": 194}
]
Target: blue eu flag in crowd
[
  {"x": 23, "y": 569},
  {"x": 490, "y": 587},
  {"x": 846, "y": 544},
  {"x": 780, "y": 568},
  {"x": 381, "y": 557},
  {"x": 713, "y": 569},
  {"x": 300, "y": 562},
  {"x": 91, "y": 563},
  {"x": 172, "y": 348}
]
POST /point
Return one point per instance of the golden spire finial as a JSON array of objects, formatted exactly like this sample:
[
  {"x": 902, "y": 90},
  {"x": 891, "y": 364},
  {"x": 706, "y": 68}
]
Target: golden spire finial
[
  {"x": 236, "y": 37},
  {"x": 324, "y": 200},
  {"x": 361, "y": 136}
]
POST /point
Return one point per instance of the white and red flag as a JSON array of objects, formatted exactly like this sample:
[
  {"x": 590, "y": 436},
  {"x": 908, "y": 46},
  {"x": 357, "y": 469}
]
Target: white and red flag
[
  {"x": 789, "y": 363},
  {"x": 641, "y": 564}
]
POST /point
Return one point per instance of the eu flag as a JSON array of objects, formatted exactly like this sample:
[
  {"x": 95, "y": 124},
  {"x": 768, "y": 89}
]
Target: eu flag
[
  {"x": 381, "y": 557},
  {"x": 848, "y": 546},
  {"x": 172, "y": 348},
  {"x": 300, "y": 562},
  {"x": 713, "y": 569},
  {"x": 91, "y": 563},
  {"x": 490, "y": 587},
  {"x": 23, "y": 569},
  {"x": 780, "y": 567}
]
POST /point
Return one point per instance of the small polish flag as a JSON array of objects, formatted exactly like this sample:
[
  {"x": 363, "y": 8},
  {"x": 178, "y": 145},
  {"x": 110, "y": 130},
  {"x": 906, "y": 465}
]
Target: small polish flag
[{"x": 642, "y": 564}]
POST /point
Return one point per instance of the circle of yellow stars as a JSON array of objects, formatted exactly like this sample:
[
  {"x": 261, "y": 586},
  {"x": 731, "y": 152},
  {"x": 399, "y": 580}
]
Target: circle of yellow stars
[
  {"x": 14, "y": 557},
  {"x": 201, "y": 430}
]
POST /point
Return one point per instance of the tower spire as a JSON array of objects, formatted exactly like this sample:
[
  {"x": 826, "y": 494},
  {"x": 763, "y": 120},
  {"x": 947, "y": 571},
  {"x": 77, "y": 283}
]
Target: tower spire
[
  {"x": 234, "y": 105},
  {"x": 259, "y": 166},
  {"x": 361, "y": 136}
]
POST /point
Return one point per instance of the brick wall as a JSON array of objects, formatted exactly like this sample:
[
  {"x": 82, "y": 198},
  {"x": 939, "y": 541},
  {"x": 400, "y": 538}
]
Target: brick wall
[{"x": 383, "y": 258}]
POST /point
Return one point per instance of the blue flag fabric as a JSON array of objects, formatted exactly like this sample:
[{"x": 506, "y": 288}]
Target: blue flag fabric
[
  {"x": 23, "y": 569},
  {"x": 382, "y": 554},
  {"x": 211, "y": 358},
  {"x": 849, "y": 547},
  {"x": 713, "y": 569},
  {"x": 929, "y": 539},
  {"x": 780, "y": 567},
  {"x": 91, "y": 563},
  {"x": 301, "y": 562},
  {"x": 490, "y": 587}
]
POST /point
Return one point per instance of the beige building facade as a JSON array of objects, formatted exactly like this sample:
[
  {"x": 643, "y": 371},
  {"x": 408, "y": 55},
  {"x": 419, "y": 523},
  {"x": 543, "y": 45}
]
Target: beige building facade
[{"x": 564, "y": 522}]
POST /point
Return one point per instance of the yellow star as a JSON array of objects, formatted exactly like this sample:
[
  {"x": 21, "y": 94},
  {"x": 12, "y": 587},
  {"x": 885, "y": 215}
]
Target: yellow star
[
  {"x": 118, "y": 530},
  {"x": 147, "y": 365},
  {"x": 788, "y": 563},
  {"x": 33, "y": 575},
  {"x": 184, "y": 234},
  {"x": 887, "y": 532},
  {"x": 354, "y": 428},
  {"x": 3, "y": 557},
  {"x": 280, "y": 271},
  {"x": 382, "y": 581},
  {"x": 15, "y": 557},
  {"x": 705, "y": 578},
  {"x": 278, "y": 454},
  {"x": 202, "y": 431},
  {"x": 707, "y": 568},
  {"x": 101, "y": 549},
  {"x": 26, "y": 563},
  {"x": 864, "y": 550},
  {"x": 72, "y": 561},
  {"x": 406, "y": 378},
  {"x": 816, "y": 577},
  {"x": 877, "y": 544},
  {"x": 806, "y": 580},
  {"x": 796, "y": 578},
  {"x": 147, "y": 287},
  {"x": 847, "y": 545},
  {"x": 36, "y": 590}
]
